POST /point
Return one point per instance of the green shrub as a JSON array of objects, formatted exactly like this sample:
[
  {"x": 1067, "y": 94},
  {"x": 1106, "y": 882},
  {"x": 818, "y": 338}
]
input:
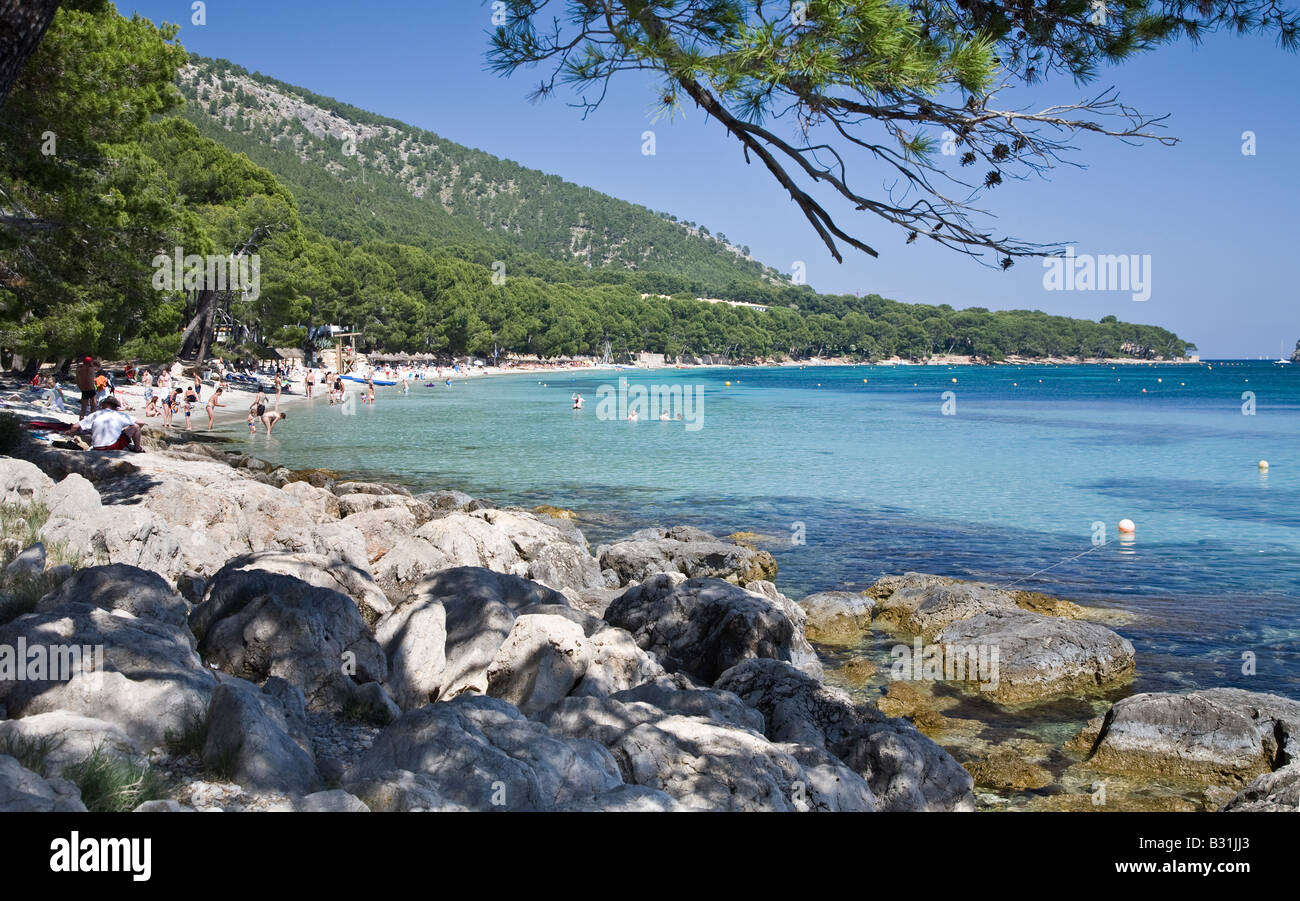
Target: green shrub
[{"x": 111, "y": 784}]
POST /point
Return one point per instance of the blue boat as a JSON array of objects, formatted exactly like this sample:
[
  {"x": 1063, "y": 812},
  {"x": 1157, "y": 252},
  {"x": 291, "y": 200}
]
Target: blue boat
[{"x": 357, "y": 378}]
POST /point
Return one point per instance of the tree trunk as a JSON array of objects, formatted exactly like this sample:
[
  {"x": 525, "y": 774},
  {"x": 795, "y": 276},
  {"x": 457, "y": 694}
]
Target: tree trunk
[
  {"x": 208, "y": 323},
  {"x": 22, "y": 25},
  {"x": 190, "y": 338}
]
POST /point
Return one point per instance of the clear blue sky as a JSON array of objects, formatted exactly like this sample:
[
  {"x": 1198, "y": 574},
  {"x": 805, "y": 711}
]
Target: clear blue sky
[{"x": 1219, "y": 226}]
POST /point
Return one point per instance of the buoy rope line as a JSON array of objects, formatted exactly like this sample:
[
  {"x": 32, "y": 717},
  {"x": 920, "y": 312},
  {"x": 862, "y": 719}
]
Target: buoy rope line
[
  {"x": 1053, "y": 566},
  {"x": 1212, "y": 494}
]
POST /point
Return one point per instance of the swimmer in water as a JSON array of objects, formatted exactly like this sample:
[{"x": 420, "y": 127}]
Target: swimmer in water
[
  {"x": 632, "y": 417},
  {"x": 663, "y": 417},
  {"x": 577, "y": 401}
]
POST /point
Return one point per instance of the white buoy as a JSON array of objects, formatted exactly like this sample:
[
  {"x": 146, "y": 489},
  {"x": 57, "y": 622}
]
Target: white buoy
[
  {"x": 1263, "y": 464},
  {"x": 1126, "y": 526}
]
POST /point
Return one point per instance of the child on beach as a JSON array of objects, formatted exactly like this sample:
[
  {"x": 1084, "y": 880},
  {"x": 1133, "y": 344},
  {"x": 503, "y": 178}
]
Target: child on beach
[{"x": 191, "y": 398}]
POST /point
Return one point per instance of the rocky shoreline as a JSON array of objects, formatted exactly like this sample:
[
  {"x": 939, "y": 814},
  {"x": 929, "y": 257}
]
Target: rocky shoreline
[{"x": 290, "y": 640}]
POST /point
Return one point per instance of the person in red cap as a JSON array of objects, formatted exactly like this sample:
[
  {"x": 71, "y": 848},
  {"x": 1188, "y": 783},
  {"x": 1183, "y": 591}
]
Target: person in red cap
[{"x": 86, "y": 382}]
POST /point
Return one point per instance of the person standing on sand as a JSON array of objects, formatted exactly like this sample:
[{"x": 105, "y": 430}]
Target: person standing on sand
[
  {"x": 86, "y": 382},
  {"x": 308, "y": 381},
  {"x": 271, "y": 418},
  {"x": 213, "y": 403},
  {"x": 198, "y": 386},
  {"x": 278, "y": 385},
  {"x": 168, "y": 408}
]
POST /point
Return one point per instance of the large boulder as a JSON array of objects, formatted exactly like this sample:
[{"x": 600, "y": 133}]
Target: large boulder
[
  {"x": 137, "y": 673},
  {"x": 83, "y": 525},
  {"x": 139, "y": 592},
  {"x": 505, "y": 541},
  {"x": 540, "y": 662},
  {"x": 707, "y": 755},
  {"x": 334, "y": 573},
  {"x": 706, "y": 626},
  {"x": 905, "y": 769},
  {"x": 483, "y": 754},
  {"x": 255, "y": 624},
  {"x": 248, "y": 741},
  {"x": 383, "y": 528},
  {"x": 612, "y": 660},
  {"x": 22, "y": 483},
  {"x": 214, "y": 512},
  {"x": 361, "y": 502},
  {"x": 1041, "y": 656},
  {"x": 375, "y": 489},
  {"x": 67, "y": 738},
  {"x": 320, "y": 503},
  {"x": 1222, "y": 736},
  {"x": 446, "y": 501},
  {"x": 626, "y": 799},
  {"x": 401, "y": 791},
  {"x": 1275, "y": 792},
  {"x": 22, "y": 791},
  {"x": 685, "y": 550},
  {"x": 615, "y": 663},
  {"x": 443, "y": 640}
]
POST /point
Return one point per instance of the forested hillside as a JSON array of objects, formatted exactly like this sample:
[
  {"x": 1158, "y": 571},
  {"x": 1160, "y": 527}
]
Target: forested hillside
[
  {"x": 317, "y": 145},
  {"x": 421, "y": 245}
]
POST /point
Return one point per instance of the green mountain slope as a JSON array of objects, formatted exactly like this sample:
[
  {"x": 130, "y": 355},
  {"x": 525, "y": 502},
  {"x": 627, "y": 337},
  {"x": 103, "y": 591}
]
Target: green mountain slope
[{"x": 360, "y": 176}]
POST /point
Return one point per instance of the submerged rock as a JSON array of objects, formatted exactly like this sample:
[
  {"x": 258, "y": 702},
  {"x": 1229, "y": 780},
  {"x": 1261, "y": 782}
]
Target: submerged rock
[
  {"x": 1007, "y": 770},
  {"x": 837, "y": 617}
]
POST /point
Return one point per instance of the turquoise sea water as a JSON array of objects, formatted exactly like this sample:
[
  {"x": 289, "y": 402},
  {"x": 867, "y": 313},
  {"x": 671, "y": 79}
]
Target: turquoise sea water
[{"x": 1005, "y": 489}]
